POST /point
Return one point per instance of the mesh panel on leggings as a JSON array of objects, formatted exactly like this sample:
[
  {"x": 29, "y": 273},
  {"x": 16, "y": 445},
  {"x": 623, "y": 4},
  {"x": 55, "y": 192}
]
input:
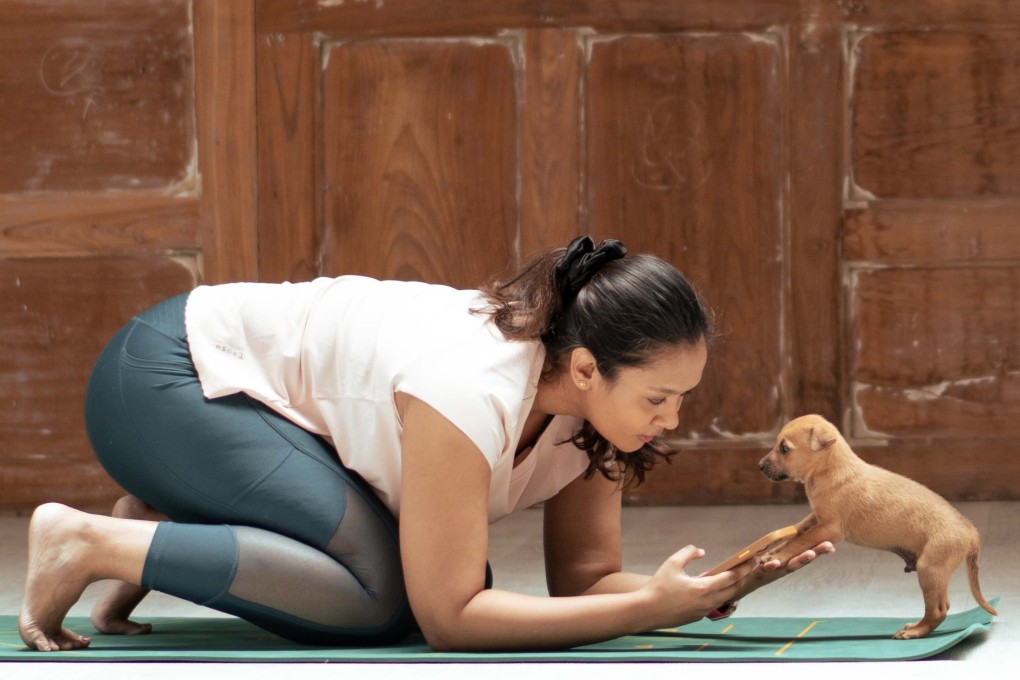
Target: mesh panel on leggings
[{"x": 358, "y": 584}]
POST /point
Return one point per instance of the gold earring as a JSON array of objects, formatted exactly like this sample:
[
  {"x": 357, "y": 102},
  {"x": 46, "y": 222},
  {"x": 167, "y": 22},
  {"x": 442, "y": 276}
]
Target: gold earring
[{"x": 583, "y": 384}]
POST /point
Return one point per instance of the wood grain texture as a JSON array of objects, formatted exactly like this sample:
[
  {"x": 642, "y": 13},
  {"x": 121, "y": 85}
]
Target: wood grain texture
[
  {"x": 100, "y": 223},
  {"x": 685, "y": 145},
  {"x": 933, "y": 232},
  {"x": 420, "y": 159},
  {"x": 924, "y": 14},
  {"x": 98, "y": 96},
  {"x": 550, "y": 154},
  {"x": 225, "y": 91},
  {"x": 289, "y": 153},
  {"x": 57, "y": 314},
  {"x": 938, "y": 352},
  {"x": 421, "y": 17},
  {"x": 935, "y": 115},
  {"x": 812, "y": 313},
  {"x": 471, "y": 17}
]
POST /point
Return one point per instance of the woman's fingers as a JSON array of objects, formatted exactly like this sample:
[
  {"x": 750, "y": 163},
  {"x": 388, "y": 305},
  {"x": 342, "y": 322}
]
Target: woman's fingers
[{"x": 801, "y": 560}]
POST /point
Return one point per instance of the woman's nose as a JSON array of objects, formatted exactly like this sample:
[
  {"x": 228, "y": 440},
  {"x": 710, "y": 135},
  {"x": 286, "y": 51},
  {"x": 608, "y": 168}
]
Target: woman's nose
[{"x": 669, "y": 420}]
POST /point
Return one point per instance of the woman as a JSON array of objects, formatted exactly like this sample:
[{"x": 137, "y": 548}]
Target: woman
[{"x": 283, "y": 427}]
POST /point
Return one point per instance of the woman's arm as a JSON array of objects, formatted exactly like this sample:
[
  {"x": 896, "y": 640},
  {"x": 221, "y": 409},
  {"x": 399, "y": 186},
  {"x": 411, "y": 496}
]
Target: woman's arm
[
  {"x": 582, "y": 540},
  {"x": 444, "y": 542},
  {"x": 582, "y": 544}
]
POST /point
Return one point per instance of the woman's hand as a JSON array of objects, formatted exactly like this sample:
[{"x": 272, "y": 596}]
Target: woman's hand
[{"x": 679, "y": 598}]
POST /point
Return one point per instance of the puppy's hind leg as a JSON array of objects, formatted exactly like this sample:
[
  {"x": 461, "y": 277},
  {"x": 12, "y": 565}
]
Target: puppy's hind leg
[{"x": 933, "y": 576}]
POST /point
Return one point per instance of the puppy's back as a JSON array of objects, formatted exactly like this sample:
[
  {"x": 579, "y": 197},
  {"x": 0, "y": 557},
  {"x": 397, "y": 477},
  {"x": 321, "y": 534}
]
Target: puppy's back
[{"x": 901, "y": 513}]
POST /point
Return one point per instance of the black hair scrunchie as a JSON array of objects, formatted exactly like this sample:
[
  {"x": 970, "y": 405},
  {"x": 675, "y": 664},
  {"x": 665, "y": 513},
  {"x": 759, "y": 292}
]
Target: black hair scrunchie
[{"x": 581, "y": 262}]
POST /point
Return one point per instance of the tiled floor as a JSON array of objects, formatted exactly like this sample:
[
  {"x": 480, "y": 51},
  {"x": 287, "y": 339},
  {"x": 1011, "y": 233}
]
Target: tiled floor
[{"x": 853, "y": 582}]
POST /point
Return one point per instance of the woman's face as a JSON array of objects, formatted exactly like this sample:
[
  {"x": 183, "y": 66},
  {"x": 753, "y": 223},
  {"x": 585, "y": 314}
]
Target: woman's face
[{"x": 641, "y": 403}]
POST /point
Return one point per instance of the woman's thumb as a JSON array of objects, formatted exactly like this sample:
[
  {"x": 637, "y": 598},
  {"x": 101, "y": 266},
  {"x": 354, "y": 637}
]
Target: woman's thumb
[{"x": 686, "y": 555}]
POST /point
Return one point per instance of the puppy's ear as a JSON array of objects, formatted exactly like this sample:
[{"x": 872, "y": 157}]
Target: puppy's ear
[{"x": 822, "y": 436}]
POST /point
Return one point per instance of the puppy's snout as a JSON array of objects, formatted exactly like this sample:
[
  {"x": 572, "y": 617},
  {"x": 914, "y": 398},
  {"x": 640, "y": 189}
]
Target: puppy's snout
[{"x": 769, "y": 469}]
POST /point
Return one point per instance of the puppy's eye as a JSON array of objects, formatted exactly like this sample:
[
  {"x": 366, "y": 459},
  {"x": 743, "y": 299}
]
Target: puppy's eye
[{"x": 783, "y": 448}]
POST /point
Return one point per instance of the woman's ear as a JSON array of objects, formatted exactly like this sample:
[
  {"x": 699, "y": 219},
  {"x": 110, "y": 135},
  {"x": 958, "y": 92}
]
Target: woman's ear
[{"x": 582, "y": 367}]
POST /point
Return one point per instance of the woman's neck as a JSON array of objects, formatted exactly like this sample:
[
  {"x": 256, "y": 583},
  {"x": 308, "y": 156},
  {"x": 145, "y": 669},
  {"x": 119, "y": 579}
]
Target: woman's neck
[{"x": 558, "y": 396}]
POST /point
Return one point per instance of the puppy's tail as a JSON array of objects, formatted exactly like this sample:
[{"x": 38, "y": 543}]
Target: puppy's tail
[{"x": 972, "y": 576}]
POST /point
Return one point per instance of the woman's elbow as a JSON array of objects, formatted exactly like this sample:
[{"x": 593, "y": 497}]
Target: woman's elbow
[
  {"x": 445, "y": 629},
  {"x": 447, "y": 637}
]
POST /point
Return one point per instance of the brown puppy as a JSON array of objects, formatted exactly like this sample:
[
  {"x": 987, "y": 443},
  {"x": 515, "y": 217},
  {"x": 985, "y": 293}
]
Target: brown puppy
[{"x": 854, "y": 501}]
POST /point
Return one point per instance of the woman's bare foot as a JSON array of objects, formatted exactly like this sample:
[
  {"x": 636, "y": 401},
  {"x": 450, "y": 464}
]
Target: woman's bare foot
[
  {"x": 58, "y": 547},
  {"x": 110, "y": 615}
]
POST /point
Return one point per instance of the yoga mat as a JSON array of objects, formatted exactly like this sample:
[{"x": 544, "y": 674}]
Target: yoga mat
[{"x": 736, "y": 639}]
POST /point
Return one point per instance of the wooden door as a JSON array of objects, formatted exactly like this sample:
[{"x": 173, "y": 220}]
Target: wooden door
[
  {"x": 126, "y": 177},
  {"x": 931, "y": 216},
  {"x": 839, "y": 179},
  {"x": 410, "y": 141}
]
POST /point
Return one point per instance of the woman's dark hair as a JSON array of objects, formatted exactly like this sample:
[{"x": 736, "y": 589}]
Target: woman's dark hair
[{"x": 624, "y": 311}]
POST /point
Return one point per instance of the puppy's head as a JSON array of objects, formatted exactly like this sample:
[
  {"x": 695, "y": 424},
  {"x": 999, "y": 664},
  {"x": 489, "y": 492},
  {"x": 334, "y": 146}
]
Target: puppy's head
[{"x": 800, "y": 447}]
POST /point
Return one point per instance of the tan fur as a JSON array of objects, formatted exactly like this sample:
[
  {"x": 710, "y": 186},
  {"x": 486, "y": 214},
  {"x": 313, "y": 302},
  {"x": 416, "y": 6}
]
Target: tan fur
[{"x": 866, "y": 505}]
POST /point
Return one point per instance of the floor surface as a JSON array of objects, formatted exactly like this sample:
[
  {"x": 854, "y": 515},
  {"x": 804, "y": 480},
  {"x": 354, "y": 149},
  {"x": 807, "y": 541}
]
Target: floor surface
[{"x": 853, "y": 582}]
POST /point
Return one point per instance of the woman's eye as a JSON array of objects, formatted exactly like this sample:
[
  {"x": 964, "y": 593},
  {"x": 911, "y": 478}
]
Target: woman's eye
[{"x": 656, "y": 402}]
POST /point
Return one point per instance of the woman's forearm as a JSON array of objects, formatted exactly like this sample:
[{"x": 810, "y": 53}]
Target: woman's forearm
[
  {"x": 617, "y": 604},
  {"x": 619, "y": 582},
  {"x": 496, "y": 619}
]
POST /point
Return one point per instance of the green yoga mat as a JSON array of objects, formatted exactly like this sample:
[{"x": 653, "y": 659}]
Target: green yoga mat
[{"x": 736, "y": 639}]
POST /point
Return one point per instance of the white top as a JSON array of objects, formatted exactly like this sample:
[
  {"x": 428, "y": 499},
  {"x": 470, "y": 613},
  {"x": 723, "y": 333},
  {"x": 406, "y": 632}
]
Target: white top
[{"x": 330, "y": 355}]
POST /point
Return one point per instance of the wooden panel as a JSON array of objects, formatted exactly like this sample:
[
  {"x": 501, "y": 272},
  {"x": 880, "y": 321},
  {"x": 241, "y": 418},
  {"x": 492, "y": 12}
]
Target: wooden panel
[
  {"x": 57, "y": 314},
  {"x": 225, "y": 89},
  {"x": 426, "y": 17},
  {"x": 420, "y": 159},
  {"x": 288, "y": 154},
  {"x": 685, "y": 144},
  {"x": 974, "y": 14},
  {"x": 812, "y": 317},
  {"x": 104, "y": 96},
  {"x": 96, "y": 223},
  {"x": 941, "y": 232},
  {"x": 550, "y": 162},
  {"x": 935, "y": 115},
  {"x": 938, "y": 352}
]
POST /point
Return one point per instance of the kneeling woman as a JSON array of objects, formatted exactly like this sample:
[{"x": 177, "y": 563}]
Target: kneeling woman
[{"x": 272, "y": 435}]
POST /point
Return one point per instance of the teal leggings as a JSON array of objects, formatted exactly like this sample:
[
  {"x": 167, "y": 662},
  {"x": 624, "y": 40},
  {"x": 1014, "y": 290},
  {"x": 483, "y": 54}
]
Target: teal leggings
[{"x": 267, "y": 524}]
